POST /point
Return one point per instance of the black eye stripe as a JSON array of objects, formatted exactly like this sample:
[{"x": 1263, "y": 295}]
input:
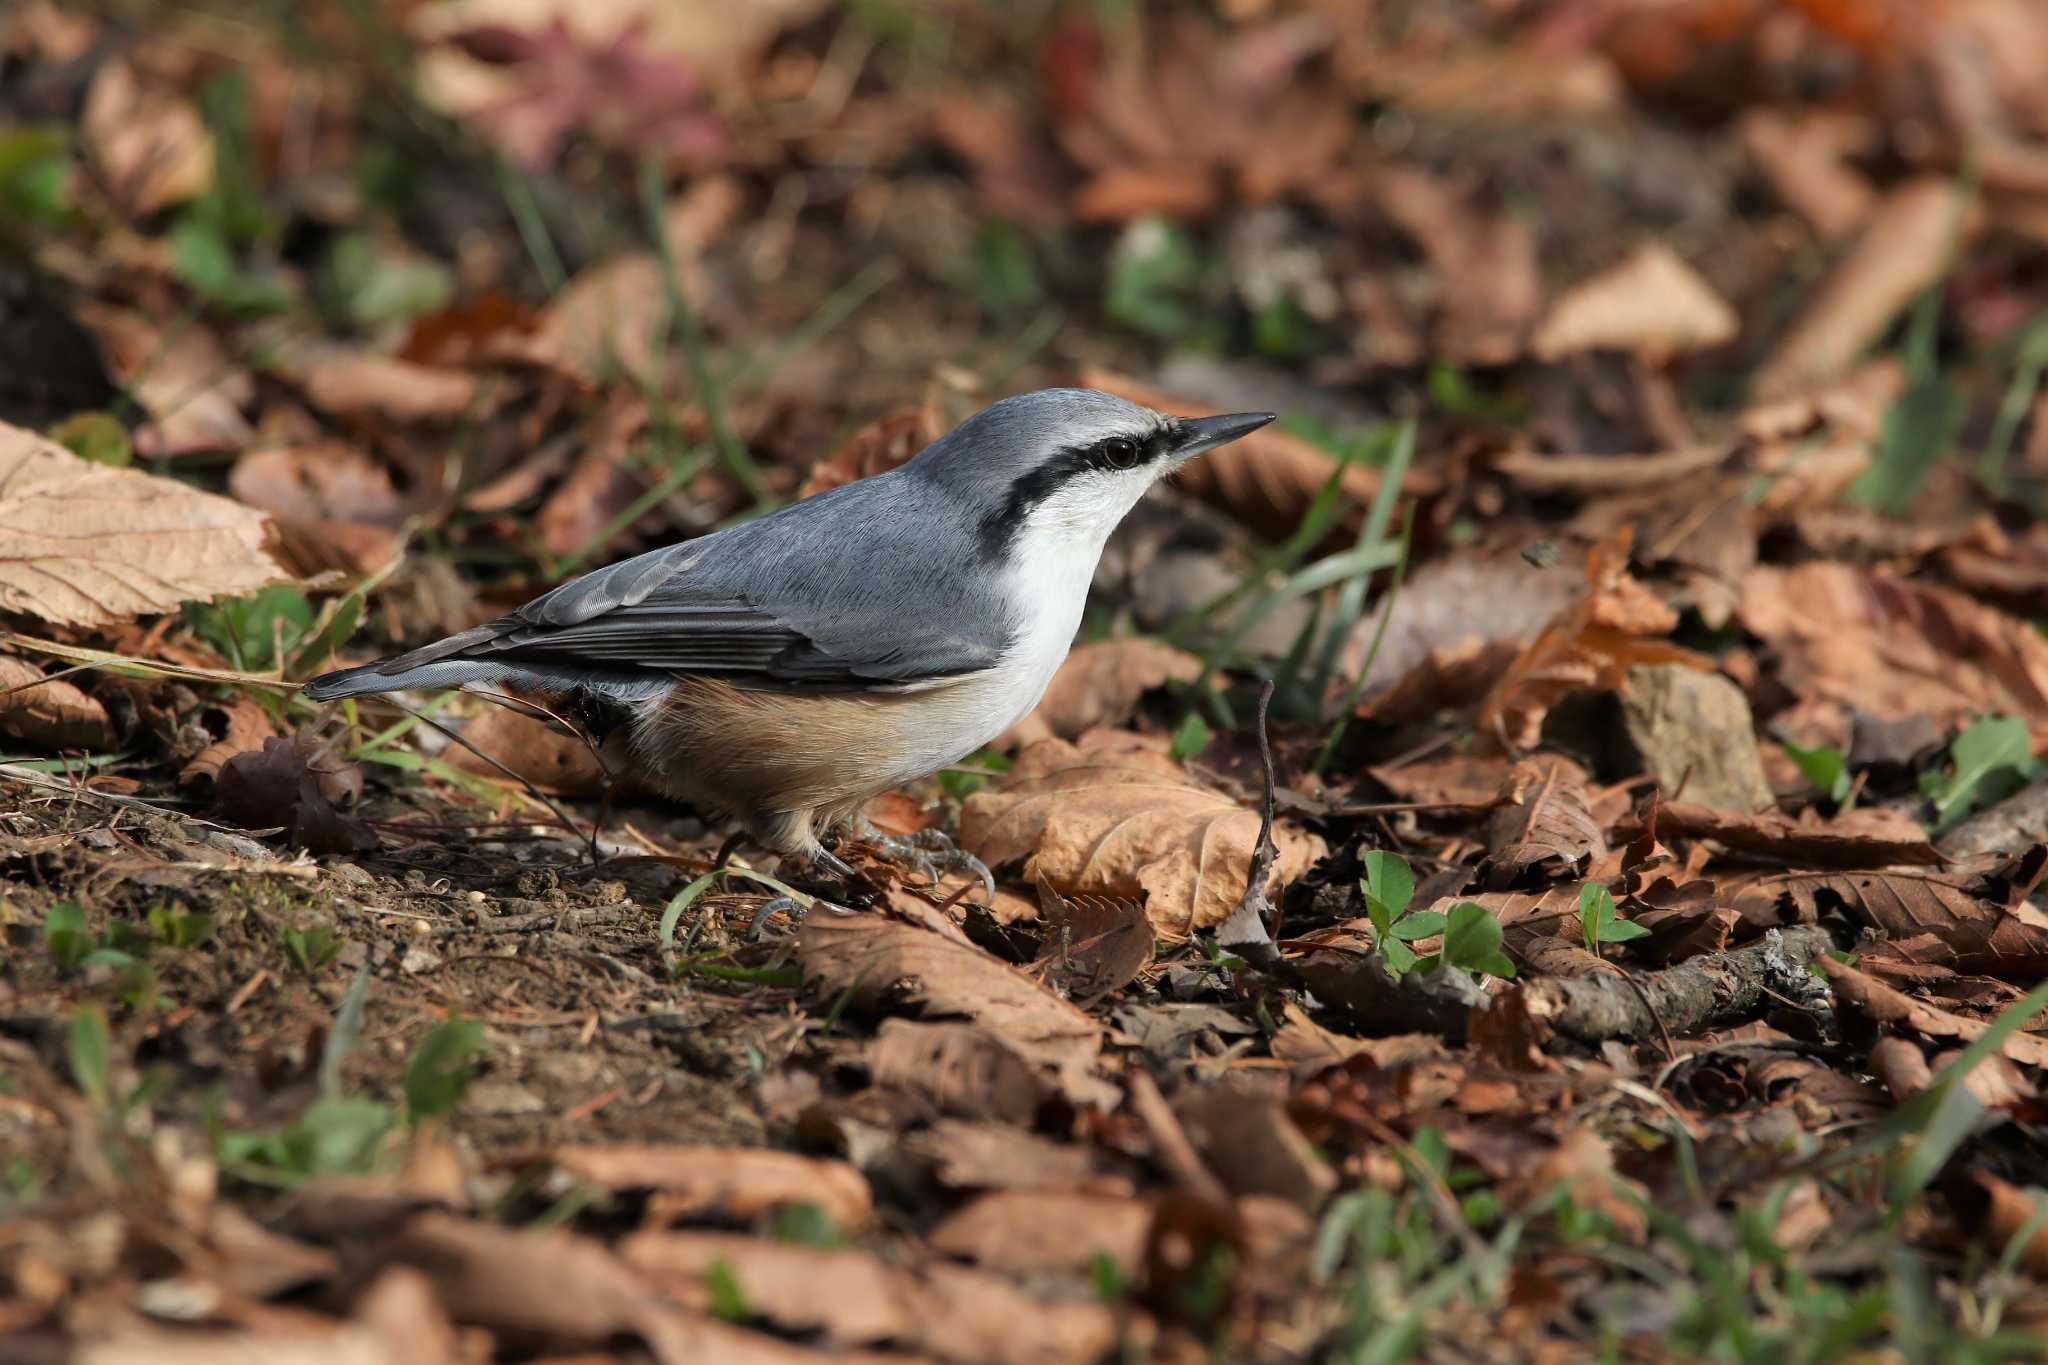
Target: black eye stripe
[{"x": 999, "y": 527}]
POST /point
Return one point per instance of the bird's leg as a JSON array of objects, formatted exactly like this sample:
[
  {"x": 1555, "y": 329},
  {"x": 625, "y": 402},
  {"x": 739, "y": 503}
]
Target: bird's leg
[{"x": 931, "y": 852}]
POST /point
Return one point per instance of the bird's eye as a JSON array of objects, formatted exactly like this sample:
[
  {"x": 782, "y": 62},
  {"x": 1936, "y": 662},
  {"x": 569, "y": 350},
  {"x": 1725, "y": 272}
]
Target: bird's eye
[{"x": 1121, "y": 452}]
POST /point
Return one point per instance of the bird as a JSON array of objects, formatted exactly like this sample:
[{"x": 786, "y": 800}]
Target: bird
[{"x": 783, "y": 671}]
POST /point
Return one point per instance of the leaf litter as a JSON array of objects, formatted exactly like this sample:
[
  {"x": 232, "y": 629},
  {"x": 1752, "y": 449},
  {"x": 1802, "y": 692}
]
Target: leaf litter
[{"x": 1650, "y": 867}]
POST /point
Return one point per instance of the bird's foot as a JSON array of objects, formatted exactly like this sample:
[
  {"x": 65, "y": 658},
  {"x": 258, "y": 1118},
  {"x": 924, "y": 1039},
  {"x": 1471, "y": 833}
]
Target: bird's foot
[
  {"x": 831, "y": 878},
  {"x": 788, "y": 904},
  {"x": 931, "y": 853}
]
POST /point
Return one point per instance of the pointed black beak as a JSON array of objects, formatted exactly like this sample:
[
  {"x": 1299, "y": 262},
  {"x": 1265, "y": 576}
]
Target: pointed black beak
[{"x": 1198, "y": 434}]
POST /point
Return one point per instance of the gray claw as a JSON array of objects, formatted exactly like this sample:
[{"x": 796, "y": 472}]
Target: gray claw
[
  {"x": 767, "y": 912},
  {"x": 932, "y": 851}
]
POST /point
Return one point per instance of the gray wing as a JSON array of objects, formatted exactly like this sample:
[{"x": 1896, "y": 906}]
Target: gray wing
[{"x": 774, "y": 599}]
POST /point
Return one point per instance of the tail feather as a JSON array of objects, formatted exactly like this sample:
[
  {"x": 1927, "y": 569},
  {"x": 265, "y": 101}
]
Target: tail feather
[{"x": 382, "y": 677}]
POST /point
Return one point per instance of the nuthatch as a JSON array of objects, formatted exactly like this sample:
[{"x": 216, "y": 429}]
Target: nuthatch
[{"x": 785, "y": 670}]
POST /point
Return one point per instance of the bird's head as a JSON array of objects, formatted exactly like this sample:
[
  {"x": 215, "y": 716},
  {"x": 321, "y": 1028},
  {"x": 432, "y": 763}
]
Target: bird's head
[{"x": 1069, "y": 461}]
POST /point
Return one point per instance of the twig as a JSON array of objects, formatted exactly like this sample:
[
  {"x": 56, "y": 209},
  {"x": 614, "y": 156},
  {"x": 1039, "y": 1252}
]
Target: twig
[
  {"x": 1244, "y": 932},
  {"x": 1708, "y": 991}
]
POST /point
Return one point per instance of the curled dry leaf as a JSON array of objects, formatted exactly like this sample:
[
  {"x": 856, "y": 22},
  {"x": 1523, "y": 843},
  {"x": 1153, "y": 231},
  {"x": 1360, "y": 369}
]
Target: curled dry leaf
[
  {"x": 1906, "y": 247},
  {"x": 247, "y": 728},
  {"x": 83, "y": 544},
  {"x": 51, "y": 712},
  {"x": 853, "y": 1297},
  {"x": 876, "y": 448},
  {"x": 1653, "y": 304},
  {"x": 887, "y": 962},
  {"x": 1105, "y": 818},
  {"x": 1100, "y": 684},
  {"x": 278, "y": 785},
  {"x": 335, "y": 507},
  {"x": 2005, "y": 1210},
  {"x": 1095, "y": 945},
  {"x": 1895, "y": 648},
  {"x": 1590, "y": 645},
  {"x": 1869, "y": 1000},
  {"x": 724, "y": 1182},
  {"x": 1265, "y": 480},
  {"x": 151, "y": 146}
]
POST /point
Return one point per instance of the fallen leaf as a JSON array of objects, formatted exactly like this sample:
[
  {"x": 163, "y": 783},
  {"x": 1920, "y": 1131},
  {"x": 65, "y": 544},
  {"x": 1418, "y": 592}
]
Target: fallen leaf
[
  {"x": 50, "y": 712},
  {"x": 876, "y": 448},
  {"x": 1806, "y": 157},
  {"x": 1029, "y": 1232},
  {"x": 150, "y": 143},
  {"x": 1980, "y": 934},
  {"x": 278, "y": 785},
  {"x": 1894, "y": 648},
  {"x": 723, "y": 1182},
  {"x": 335, "y": 507},
  {"x": 1869, "y": 999},
  {"x": 193, "y": 390},
  {"x": 84, "y": 544},
  {"x": 1482, "y": 258},
  {"x": 852, "y": 1297},
  {"x": 876, "y": 961},
  {"x": 1103, "y": 820},
  {"x": 1100, "y": 684},
  {"x": 247, "y": 728},
  {"x": 535, "y": 750},
  {"x": 1862, "y": 838},
  {"x": 978, "y": 1155},
  {"x": 1653, "y": 304},
  {"x": 356, "y": 386},
  {"x": 1543, "y": 824},
  {"x": 1095, "y": 945},
  {"x": 957, "y": 1068},
  {"x": 396, "y": 1321},
  {"x": 2006, "y": 1211},
  {"x": 1589, "y": 645},
  {"x": 1906, "y": 246},
  {"x": 1246, "y": 1137}
]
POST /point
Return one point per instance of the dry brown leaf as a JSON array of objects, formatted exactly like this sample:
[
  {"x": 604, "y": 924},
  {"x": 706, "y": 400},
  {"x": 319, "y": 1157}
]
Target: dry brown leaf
[
  {"x": 82, "y": 544},
  {"x": 1652, "y": 304},
  {"x": 535, "y": 750},
  {"x": 1906, "y": 247},
  {"x": 1872, "y": 1000},
  {"x": 1100, "y": 684},
  {"x": 184, "y": 378},
  {"x": 876, "y": 448},
  {"x": 1246, "y": 1137},
  {"x": 335, "y": 507},
  {"x": 248, "y": 726},
  {"x": 1979, "y": 934},
  {"x": 2007, "y": 1210},
  {"x": 51, "y": 712},
  {"x": 1266, "y": 480},
  {"x": 853, "y": 1297},
  {"x": 1105, "y": 819},
  {"x": 884, "y": 961},
  {"x": 395, "y": 1322},
  {"x": 1544, "y": 822},
  {"x": 1806, "y": 158},
  {"x": 1869, "y": 837},
  {"x": 723, "y": 1182},
  {"x": 151, "y": 146},
  {"x": 1482, "y": 258},
  {"x": 1027, "y": 1232},
  {"x": 359, "y": 387},
  {"x": 1094, "y": 945},
  {"x": 1697, "y": 737},
  {"x": 967, "y": 1155},
  {"x": 1473, "y": 780},
  {"x": 957, "y": 1068},
  {"x": 1895, "y": 648},
  {"x": 1590, "y": 645}
]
